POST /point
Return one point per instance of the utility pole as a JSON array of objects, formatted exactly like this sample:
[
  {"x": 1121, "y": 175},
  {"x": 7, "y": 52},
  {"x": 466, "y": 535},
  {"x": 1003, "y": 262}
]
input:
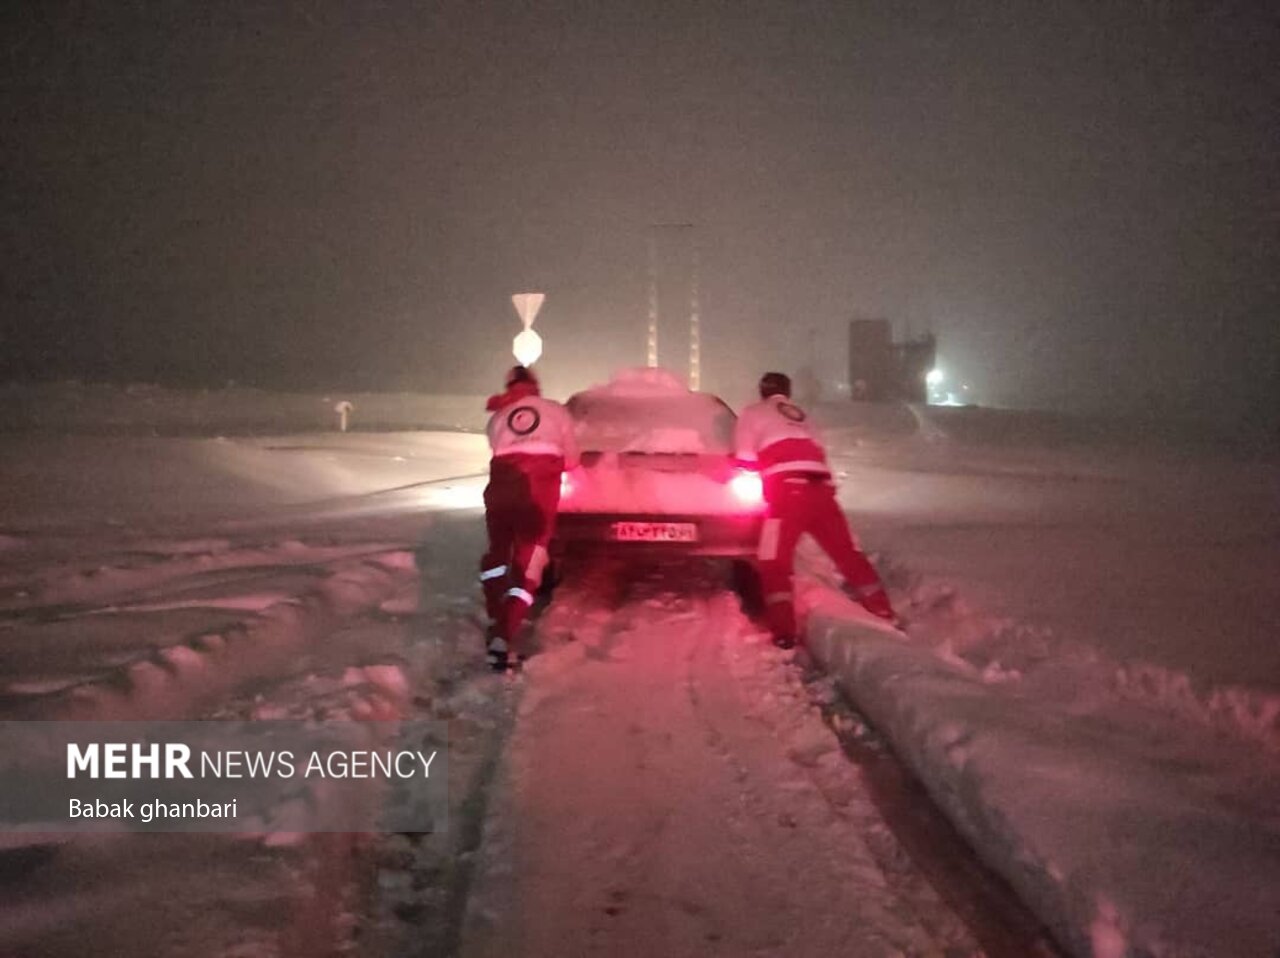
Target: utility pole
[
  {"x": 695, "y": 331},
  {"x": 652, "y": 354}
]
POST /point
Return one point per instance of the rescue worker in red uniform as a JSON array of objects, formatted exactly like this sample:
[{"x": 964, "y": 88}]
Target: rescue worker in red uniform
[
  {"x": 777, "y": 437},
  {"x": 532, "y": 442}
]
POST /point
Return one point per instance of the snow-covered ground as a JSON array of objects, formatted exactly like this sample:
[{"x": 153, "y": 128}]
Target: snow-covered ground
[
  {"x": 1154, "y": 559},
  {"x": 149, "y": 409},
  {"x": 1100, "y": 711},
  {"x": 1116, "y": 596},
  {"x": 274, "y": 572}
]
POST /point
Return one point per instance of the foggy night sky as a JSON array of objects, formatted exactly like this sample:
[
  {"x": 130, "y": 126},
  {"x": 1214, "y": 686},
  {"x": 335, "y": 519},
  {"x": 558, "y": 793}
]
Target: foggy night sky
[{"x": 1081, "y": 200}]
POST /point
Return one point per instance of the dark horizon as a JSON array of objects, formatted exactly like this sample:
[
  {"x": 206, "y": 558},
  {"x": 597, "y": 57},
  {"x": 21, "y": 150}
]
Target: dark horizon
[{"x": 1081, "y": 205}]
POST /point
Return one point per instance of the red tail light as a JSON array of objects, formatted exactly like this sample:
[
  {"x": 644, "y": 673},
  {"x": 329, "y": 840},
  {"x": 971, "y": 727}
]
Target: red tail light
[{"x": 747, "y": 487}]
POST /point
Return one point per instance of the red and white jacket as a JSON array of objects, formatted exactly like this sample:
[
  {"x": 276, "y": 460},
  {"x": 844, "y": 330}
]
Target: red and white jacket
[
  {"x": 525, "y": 424},
  {"x": 778, "y": 436}
]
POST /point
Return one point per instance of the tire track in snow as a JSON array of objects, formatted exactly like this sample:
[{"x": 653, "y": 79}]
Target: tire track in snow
[
  {"x": 186, "y": 678},
  {"x": 655, "y": 803},
  {"x": 54, "y": 592}
]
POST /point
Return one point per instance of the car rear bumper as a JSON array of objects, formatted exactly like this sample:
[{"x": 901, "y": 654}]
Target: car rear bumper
[{"x": 716, "y": 535}]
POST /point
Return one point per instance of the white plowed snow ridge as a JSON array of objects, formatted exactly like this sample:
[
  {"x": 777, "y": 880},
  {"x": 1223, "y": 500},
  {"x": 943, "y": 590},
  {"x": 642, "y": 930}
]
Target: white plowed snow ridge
[
  {"x": 75, "y": 661},
  {"x": 1127, "y": 833}
]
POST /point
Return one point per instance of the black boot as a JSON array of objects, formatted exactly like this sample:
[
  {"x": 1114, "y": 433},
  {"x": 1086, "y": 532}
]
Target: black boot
[{"x": 499, "y": 653}]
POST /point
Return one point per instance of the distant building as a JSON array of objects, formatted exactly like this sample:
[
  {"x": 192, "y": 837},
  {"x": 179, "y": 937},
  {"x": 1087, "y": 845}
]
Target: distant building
[{"x": 880, "y": 369}]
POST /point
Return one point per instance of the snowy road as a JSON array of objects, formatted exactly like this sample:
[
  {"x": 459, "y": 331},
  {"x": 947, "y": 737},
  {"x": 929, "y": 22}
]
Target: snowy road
[
  {"x": 667, "y": 783},
  {"x": 671, "y": 788}
]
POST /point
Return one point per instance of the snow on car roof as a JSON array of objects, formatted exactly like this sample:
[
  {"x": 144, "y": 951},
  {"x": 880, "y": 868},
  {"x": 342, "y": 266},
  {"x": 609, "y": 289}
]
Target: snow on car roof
[
  {"x": 642, "y": 381},
  {"x": 651, "y": 410}
]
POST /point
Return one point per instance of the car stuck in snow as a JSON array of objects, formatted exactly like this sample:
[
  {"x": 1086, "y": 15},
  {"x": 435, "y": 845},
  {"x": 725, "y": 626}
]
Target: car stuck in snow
[{"x": 657, "y": 473}]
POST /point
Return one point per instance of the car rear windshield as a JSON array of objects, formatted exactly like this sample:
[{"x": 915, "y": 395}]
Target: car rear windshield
[{"x": 692, "y": 423}]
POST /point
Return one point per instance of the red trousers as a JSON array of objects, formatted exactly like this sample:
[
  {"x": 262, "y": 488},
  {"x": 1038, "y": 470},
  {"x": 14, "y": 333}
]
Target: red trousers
[
  {"x": 520, "y": 505},
  {"x": 798, "y": 505}
]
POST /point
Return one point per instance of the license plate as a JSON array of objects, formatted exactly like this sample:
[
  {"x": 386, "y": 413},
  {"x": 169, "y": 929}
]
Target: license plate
[{"x": 654, "y": 531}]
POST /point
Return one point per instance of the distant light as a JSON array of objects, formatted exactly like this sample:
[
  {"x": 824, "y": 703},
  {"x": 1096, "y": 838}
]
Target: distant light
[
  {"x": 934, "y": 377},
  {"x": 566, "y": 485},
  {"x": 527, "y": 347}
]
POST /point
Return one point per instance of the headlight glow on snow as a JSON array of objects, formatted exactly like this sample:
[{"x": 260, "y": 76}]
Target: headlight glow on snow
[{"x": 747, "y": 487}]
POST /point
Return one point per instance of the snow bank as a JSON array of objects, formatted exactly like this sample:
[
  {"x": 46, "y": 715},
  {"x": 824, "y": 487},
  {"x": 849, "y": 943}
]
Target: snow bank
[
  {"x": 852, "y": 425},
  {"x": 1124, "y": 840},
  {"x": 144, "y": 409},
  {"x": 179, "y": 680}
]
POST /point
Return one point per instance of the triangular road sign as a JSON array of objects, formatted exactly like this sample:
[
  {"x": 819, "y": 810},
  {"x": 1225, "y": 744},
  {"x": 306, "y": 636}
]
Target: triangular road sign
[{"x": 527, "y": 305}]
